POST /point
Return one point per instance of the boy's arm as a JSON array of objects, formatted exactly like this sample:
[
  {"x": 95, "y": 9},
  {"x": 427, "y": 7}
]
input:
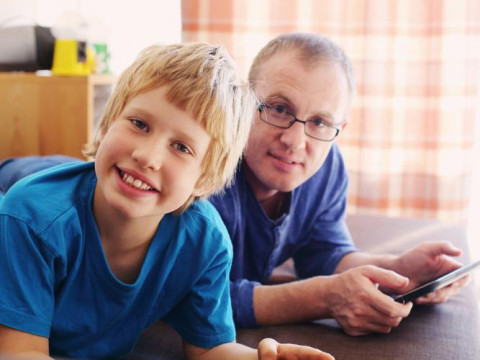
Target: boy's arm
[
  {"x": 22, "y": 345},
  {"x": 268, "y": 349}
]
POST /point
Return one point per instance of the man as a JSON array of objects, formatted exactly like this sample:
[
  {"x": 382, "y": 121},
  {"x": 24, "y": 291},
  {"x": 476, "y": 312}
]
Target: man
[{"x": 289, "y": 198}]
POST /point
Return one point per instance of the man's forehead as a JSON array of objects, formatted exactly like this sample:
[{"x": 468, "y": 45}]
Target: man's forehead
[
  {"x": 289, "y": 78},
  {"x": 321, "y": 89},
  {"x": 285, "y": 67}
]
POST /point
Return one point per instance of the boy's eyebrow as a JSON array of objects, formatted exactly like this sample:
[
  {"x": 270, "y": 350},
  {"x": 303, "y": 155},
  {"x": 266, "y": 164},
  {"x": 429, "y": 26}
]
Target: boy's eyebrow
[
  {"x": 132, "y": 110},
  {"x": 139, "y": 111}
]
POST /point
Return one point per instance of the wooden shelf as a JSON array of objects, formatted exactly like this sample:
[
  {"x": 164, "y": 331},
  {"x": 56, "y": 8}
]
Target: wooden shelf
[{"x": 41, "y": 115}]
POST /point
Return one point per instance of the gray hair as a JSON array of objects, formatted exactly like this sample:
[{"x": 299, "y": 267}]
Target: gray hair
[{"x": 312, "y": 48}]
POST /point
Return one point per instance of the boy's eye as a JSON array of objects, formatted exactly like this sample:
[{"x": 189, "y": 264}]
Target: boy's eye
[
  {"x": 182, "y": 148},
  {"x": 139, "y": 124}
]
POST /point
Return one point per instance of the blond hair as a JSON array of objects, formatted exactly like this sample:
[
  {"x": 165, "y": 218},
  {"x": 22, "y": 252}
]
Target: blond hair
[
  {"x": 202, "y": 80},
  {"x": 312, "y": 48}
]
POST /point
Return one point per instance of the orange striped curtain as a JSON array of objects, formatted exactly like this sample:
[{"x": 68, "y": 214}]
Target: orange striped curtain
[{"x": 409, "y": 142}]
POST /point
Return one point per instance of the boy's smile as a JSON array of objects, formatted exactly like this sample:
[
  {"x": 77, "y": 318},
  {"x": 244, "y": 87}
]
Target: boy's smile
[
  {"x": 149, "y": 160},
  {"x": 136, "y": 181},
  {"x": 133, "y": 185}
]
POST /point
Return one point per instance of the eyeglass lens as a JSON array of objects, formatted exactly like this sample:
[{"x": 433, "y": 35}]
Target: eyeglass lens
[{"x": 315, "y": 127}]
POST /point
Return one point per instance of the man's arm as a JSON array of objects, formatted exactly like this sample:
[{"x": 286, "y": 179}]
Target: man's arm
[
  {"x": 352, "y": 298},
  {"x": 352, "y": 294}
]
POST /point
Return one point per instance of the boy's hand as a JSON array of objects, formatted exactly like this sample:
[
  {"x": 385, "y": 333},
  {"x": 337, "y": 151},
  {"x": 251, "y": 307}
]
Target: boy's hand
[{"x": 269, "y": 349}]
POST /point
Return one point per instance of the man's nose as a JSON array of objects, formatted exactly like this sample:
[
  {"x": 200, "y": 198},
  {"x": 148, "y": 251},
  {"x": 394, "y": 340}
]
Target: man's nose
[{"x": 294, "y": 137}]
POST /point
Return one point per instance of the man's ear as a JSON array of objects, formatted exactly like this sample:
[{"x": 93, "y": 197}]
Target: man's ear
[{"x": 344, "y": 124}]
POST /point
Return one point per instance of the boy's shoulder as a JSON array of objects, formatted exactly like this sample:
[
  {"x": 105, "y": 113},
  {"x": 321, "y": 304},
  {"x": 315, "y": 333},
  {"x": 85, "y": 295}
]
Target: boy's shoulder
[
  {"x": 45, "y": 195},
  {"x": 204, "y": 209},
  {"x": 201, "y": 218}
]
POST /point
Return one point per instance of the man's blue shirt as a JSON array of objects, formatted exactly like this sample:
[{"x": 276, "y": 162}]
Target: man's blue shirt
[{"x": 312, "y": 231}]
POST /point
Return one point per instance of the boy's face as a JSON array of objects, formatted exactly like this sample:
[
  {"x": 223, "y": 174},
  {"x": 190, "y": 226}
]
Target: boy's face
[
  {"x": 150, "y": 158},
  {"x": 283, "y": 159}
]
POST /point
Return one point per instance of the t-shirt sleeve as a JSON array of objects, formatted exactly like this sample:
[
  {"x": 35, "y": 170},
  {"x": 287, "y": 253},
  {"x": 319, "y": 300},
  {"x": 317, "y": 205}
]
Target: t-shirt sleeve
[
  {"x": 204, "y": 317},
  {"x": 242, "y": 302},
  {"x": 26, "y": 280}
]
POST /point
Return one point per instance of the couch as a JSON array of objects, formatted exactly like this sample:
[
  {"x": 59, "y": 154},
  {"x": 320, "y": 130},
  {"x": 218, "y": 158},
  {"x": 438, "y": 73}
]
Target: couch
[{"x": 446, "y": 331}]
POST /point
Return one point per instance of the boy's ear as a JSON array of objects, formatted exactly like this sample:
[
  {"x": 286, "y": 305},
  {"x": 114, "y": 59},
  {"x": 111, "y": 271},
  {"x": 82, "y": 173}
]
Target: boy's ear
[
  {"x": 201, "y": 191},
  {"x": 101, "y": 134}
]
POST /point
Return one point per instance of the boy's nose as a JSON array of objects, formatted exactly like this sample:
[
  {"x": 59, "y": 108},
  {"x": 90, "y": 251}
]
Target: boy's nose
[
  {"x": 149, "y": 155},
  {"x": 294, "y": 137}
]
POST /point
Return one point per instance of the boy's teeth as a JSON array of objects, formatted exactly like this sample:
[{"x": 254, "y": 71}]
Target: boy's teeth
[{"x": 136, "y": 183}]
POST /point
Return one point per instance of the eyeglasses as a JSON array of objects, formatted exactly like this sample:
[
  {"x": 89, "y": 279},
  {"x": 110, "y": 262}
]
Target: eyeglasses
[{"x": 278, "y": 116}]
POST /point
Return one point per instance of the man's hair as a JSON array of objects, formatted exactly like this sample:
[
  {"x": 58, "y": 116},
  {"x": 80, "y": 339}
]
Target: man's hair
[
  {"x": 312, "y": 48},
  {"x": 202, "y": 80}
]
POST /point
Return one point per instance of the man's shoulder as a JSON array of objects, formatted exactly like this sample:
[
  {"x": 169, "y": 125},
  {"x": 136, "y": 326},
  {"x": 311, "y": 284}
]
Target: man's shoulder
[
  {"x": 233, "y": 192},
  {"x": 327, "y": 187},
  {"x": 333, "y": 169}
]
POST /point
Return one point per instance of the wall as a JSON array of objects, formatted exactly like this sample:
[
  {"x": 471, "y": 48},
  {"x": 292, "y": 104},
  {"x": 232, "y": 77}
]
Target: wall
[{"x": 130, "y": 25}]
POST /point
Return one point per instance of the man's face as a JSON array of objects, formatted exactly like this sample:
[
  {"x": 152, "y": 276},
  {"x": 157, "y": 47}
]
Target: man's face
[{"x": 282, "y": 159}]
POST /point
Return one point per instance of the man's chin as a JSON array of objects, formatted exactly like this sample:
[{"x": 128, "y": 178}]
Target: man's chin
[{"x": 284, "y": 186}]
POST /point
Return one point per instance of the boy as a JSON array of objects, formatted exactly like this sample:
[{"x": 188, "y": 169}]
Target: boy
[{"x": 93, "y": 253}]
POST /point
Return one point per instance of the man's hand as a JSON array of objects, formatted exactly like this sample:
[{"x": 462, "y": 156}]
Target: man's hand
[
  {"x": 269, "y": 349},
  {"x": 427, "y": 261},
  {"x": 354, "y": 300}
]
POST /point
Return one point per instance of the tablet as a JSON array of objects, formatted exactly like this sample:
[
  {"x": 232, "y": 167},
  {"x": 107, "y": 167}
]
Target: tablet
[{"x": 437, "y": 283}]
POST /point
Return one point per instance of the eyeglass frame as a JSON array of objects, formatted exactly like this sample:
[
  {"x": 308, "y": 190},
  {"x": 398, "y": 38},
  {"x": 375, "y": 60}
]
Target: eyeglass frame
[{"x": 293, "y": 121}]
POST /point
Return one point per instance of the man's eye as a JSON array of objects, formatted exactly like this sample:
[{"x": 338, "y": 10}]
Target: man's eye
[
  {"x": 182, "y": 148},
  {"x": 281, "y": 109},
  {"x": 318, "y": 123},
  {"x": 139, "y": 124}
]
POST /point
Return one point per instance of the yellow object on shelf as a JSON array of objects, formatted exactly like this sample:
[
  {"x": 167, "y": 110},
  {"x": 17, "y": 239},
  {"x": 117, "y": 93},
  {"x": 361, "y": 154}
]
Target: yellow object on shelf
[{"x": 72, "y": 57}]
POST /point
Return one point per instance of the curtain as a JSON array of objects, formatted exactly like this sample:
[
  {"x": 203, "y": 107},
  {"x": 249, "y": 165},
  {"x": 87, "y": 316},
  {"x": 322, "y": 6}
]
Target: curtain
[{"x": 409, "y": 142}]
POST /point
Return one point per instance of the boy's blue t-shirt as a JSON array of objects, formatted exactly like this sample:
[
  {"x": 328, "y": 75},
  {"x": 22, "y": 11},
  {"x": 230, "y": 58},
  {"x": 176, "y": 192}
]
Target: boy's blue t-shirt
[{"x": 55, "y": 280}]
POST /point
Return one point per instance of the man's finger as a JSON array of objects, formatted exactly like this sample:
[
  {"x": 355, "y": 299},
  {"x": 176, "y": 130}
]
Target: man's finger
[
  {"x": 385, "y": 278},
  {"x": 445, "y": 248}
]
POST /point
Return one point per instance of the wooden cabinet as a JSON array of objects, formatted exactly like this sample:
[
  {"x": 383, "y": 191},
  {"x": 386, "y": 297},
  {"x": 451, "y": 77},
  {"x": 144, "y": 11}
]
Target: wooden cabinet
[{"x": 42, "y": 115}]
